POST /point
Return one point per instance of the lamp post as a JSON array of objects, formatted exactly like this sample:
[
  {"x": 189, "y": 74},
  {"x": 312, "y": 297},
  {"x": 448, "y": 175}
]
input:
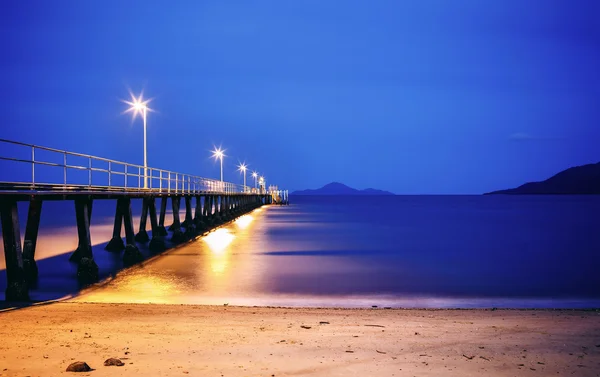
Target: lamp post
[
  {"x": 218, "y": 153},
  {"x": 255, "y": 176},
  {"x": 140, "y": 106},
  {"x": 242, "y": 168}
]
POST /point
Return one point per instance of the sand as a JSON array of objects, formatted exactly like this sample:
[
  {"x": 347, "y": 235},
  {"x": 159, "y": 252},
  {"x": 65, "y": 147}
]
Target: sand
[{"x": 180, "y": 340}]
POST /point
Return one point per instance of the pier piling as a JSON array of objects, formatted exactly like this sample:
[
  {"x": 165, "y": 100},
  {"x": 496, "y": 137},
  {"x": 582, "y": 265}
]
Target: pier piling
[
  {"x": 177, "y": 236},
  {"x": 132, "y": 254},
  {"x": 116, "y": 243},
  {"x": 142, "y": 235},
  {"x": 190, "y": 228},
  {"x": 157, "y": 243},
  {"x": 17, "y": 288},
  {"x": 208, "y": 208},
  {"x": 31, "y": 234},
  {"x": 87, "y": 269},
  {"x": 198, "y": 218},
  {"x": 162, "y": 231}
]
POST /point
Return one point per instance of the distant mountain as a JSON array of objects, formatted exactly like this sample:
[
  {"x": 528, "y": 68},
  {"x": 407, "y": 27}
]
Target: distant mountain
[
  {"x": 336, "y": 188},
  {"x": 583, "y": 179}
]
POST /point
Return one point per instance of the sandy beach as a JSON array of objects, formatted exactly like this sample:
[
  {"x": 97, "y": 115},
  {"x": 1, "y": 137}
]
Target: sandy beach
[{"x": 179, "y": 340}]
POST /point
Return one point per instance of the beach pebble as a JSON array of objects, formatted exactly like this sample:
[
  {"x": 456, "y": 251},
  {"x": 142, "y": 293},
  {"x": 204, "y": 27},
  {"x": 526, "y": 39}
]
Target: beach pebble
[
  {"x": 79, "y": 366},
  {"x": 113, "y": 362}
]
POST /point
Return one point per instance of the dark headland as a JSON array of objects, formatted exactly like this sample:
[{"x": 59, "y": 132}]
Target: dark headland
[
  {"x": 578, "y": 180},
  {"x": 336, "y": 188}
]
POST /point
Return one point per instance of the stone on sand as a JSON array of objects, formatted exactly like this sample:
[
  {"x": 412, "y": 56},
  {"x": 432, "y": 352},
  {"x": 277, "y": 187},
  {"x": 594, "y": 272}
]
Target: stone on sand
[
  {"x": 79, "y": 366},
  {"x": 113, "y": 362}
]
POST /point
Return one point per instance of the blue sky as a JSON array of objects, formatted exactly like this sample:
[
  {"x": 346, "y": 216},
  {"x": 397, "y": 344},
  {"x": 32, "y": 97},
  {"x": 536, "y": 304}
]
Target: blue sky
[{"x": 427, "y": 97}]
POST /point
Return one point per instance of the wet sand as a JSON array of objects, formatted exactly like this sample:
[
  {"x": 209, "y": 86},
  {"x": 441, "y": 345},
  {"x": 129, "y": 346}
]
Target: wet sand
[{"x": 179, "y": 340}]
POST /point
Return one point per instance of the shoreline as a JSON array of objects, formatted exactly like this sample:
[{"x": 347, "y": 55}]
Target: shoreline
[
  {"x": 178, "y": 340},
  {"x": 96, "y": 295},
  {"x": 74, "y": 300}
]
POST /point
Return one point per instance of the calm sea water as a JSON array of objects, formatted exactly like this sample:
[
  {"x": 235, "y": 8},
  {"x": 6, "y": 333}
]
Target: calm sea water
[{"x": 404, "y": 251}]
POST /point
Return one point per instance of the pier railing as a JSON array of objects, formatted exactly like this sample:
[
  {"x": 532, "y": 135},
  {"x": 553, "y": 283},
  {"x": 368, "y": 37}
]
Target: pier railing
[{"x": 32, "y": 167}]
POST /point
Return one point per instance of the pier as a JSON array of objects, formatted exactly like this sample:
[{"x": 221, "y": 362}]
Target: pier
[{"x": 37, "y": 174}]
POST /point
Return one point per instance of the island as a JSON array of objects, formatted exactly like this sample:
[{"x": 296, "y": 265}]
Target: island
[
  {"x": 578, "y": 180},
  {"x": 336, "y": 188}
]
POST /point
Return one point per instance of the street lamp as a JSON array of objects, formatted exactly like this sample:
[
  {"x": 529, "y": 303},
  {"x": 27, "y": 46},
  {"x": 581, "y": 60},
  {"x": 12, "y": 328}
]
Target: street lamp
[
  {"x": 255, "y": 176},
  {"x": 218, "y": 154},
  {"x": 140, "y": 106},
  {"x": 242, "y": 168}
]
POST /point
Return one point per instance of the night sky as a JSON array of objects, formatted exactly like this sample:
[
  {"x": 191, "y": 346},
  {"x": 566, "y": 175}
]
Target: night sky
[{"x": 415, "y": 97}]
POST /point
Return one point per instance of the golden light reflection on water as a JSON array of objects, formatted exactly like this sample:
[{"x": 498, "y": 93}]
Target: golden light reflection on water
[
  {"x": 217, "y": 242},
  {"x": 135, "y": 288},
  {"x": 244, "y": 221},
  {"x": 218, "y": 263},
  {"x": 216, "y": 267}
]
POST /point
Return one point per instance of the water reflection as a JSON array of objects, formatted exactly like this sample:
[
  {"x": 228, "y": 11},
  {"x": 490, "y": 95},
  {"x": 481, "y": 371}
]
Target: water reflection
[
  {"x": 137, "y": 287},
  {"x": 327, "y": 253},
  {"x": 217, "y": 242},
  {"x": 215, "y": 269},
  {"x": 244, "y": 221}
]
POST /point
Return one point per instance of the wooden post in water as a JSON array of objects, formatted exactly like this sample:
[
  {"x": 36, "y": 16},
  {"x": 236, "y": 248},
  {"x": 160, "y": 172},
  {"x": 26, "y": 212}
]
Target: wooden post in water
[
  {"x": 142, "y": 235},
  {"x": 178, "y": 200},
  {"x": 162, "y": 231},
  {"x": 87, "y": 269},
  {"x": 157, "y": 243},
  {"x": 188, "y": 209},
  {"x": 116, "y": 243},
  {"x": 132, "y": 254},
  {"x": 31, "y": 233},
  {"x": 226, "y": 208},
  {"x": 215, "y": 210},
  {"x": 185, "y": 218},
  {"x": 190, "y": 228},
  {"x": 208, "y": 209},
  {"x": 198, "y": 219},
  {"x": 16, "y": 288},
  {"x": 228, "y": 212},
  {"x": 177, "y": 236}
]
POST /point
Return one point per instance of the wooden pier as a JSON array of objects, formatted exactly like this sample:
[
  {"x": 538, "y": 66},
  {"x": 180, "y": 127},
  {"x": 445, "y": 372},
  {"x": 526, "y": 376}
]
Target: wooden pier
[{"x": 207, "y": 204}]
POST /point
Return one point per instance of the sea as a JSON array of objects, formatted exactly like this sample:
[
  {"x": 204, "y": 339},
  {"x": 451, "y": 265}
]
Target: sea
[{"x": 347, "y": 251}]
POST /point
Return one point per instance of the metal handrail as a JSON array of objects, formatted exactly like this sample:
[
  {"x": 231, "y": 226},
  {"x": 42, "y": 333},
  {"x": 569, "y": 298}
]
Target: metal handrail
[{"x": 168, "y": 181}]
